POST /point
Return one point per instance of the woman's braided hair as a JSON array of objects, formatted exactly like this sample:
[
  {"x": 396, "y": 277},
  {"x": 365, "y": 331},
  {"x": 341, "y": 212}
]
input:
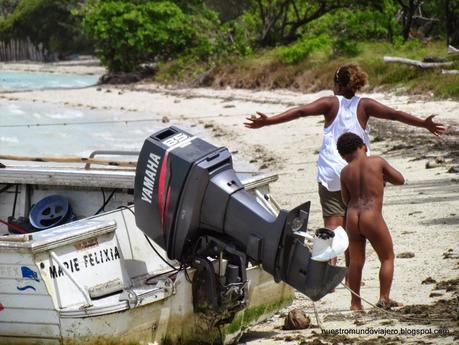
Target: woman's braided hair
[{"x": 351, "y": 76}]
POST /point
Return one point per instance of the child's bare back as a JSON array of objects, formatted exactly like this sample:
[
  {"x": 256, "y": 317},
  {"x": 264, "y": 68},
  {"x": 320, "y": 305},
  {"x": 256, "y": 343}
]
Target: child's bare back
[
  {"x": 362, "y": 188},
  {"x": 364, "y": 182}
]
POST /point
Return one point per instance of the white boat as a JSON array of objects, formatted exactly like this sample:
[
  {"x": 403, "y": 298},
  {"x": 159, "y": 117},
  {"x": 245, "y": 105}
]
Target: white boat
[{"x": 97, "y": 279}]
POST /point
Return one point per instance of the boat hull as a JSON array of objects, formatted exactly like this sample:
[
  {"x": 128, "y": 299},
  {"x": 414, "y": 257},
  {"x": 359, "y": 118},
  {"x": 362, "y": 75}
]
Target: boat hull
[{"x": 59, "y": 286}]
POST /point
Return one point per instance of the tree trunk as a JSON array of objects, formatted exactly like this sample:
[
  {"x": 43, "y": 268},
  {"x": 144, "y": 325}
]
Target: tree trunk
[
  {"x": 408, "y": 19},
  {"x": 448, "y": 21}
]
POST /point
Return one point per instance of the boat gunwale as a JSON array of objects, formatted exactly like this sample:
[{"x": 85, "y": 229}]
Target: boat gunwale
[{"x": 108, "y": 178}]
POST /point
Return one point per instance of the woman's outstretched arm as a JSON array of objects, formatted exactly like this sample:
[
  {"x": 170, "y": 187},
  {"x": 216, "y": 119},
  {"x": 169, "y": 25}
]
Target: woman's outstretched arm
[
  {"x": 376, "y": 109},
  {"x": 322, "y": 106}
]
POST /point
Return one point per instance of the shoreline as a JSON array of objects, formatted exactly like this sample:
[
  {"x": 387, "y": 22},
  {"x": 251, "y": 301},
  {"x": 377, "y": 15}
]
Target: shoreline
[
  {"x": 423, "y": 215},
  {"x": 86, "y": 65},
  {"x": 90, "y": 65}
]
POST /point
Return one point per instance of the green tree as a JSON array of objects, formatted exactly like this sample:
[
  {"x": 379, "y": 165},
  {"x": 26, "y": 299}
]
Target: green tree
[
  {"x": 129, "y": 33},
  {"x": 409, "y": 8},
  {"x": 7, "y": 7},
  {"x": 47, "y": 23},
  {"x": 430, "y": 18},
  {"x": 452, "y": 21},
  {"x": 282, "y": 21},
  {"x": 447, "y": 12}
]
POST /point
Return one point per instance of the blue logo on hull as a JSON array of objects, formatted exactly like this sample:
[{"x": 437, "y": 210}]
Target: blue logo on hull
[
  {"x": 27, "y": 273},
  {"x": 27, "y": 287}
]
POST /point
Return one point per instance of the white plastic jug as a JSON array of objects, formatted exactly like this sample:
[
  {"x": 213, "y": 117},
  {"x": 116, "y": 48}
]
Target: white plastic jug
[{"x": 325, "y": 249}]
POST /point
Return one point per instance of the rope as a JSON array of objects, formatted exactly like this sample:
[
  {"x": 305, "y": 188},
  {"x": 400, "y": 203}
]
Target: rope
[
  {"x": 391, "y": 312},
  {"x": 106, "y": 201},
  {"x": 319, "y": 323},
  {"x": 78, "y": 123},
  {"x": 151, "y": 244}
]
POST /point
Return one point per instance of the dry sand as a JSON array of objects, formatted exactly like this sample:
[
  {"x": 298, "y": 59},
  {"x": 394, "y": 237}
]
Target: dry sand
[{"x": 423, "y": 215}]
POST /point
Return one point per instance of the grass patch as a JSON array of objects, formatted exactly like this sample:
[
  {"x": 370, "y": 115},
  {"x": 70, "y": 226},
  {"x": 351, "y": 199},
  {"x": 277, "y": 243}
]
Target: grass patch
[
  {"x": 314, "y": 72},
  {"x": 249, "y": 316}
]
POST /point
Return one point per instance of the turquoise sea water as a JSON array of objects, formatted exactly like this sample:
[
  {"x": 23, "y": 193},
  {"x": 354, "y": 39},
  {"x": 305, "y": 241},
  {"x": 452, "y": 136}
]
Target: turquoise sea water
[
  {"x": 40, "y": 129},
  {"x": 14, "y": 81},
  {"x": 45, "y": 129}
]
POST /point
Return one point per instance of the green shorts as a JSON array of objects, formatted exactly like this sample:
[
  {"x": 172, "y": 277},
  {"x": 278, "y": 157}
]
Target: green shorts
[{"x": 331, "y": 202}]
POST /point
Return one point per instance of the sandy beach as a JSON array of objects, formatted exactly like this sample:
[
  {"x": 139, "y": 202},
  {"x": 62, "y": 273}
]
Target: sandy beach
[{"x": 422, "y": 215}]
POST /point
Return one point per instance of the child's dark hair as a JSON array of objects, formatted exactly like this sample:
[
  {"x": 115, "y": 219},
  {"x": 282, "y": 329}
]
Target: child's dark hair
[
  {"x": 351, "y": 76},
  {"x": 348, "y": 143}
]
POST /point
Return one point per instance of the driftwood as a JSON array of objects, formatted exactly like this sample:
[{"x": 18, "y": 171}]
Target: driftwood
[
  {"x": 452, "y": 50},
  {"x": 416, "y": 63},
  {"x": 450, "y": 71},
  {"x": 71, "y": 160}
]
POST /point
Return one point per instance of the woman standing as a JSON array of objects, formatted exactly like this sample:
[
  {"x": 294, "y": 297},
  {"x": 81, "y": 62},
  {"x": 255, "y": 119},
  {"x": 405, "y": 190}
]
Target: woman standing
[{"x": 344, "y": 112}]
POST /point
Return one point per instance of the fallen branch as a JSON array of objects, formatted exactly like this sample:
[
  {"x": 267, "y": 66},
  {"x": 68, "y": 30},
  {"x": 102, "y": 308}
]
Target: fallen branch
[
  {"x": 452, "y": 50},
  {"x": 70, "y": 160},
  {"x": 416, "y": 63},
  {"x": 450, "y": 71}
]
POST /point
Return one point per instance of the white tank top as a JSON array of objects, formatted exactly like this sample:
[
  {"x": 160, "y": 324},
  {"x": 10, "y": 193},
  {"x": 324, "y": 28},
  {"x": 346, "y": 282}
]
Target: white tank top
[{"x": 330, "y": 163}]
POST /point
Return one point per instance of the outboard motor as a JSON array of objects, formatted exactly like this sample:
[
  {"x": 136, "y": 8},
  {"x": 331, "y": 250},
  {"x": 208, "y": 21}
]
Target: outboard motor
[{"x": 189, "y": 200}]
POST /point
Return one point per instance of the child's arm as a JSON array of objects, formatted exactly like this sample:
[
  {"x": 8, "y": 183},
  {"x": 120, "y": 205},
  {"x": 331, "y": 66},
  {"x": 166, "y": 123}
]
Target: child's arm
[
  {"x": 376, "y": 109},
  {"x": 321, "y": 106},
  {"x": 391, "y": 174}
]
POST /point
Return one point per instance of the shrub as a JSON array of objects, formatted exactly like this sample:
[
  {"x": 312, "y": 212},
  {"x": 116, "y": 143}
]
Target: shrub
[
  {"x": 205, "y": 25},
  {"x": 302, "y": 48},
  {"x": 346, "y": 48},
  {"x": 127, "y": 34},
  {"x": 234, "y": 39}
]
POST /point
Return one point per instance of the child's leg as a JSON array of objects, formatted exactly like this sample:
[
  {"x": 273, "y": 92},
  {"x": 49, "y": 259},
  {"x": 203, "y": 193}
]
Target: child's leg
[
  {"x": 379, "y": 236},
  {"x": 356, "y": 257}
]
